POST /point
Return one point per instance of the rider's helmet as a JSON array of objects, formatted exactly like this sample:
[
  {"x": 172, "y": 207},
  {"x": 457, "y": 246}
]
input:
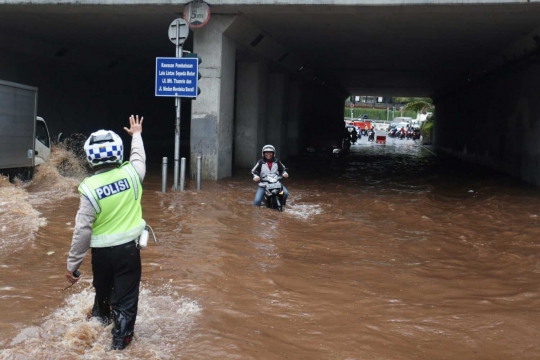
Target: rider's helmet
[
  {"x": 104, "y": 147},
  {"x": 268, "y": 148}
]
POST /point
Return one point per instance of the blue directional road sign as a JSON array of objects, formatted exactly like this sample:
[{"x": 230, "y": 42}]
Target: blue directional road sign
[{"x": 176, "y": 77}]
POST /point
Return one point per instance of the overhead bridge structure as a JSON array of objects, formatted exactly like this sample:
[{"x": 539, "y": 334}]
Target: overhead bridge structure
[{"x": 278, "y": 71}]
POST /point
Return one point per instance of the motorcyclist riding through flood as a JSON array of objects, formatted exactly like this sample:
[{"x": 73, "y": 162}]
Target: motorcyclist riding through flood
[{"x": 268, "y": 165}]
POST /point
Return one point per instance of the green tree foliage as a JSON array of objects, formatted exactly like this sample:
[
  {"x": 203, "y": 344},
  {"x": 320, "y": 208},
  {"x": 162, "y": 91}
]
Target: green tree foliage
[
  {"x": 405, "y": 100},
  {"x": 420, "y": 106},
  {"x": 413, "y": 106},
  {"x": 427, "y": 127}
]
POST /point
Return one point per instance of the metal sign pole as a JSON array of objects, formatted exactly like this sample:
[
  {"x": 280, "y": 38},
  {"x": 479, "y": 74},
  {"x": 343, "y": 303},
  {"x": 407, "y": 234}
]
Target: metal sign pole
[
  {"x": 167, "y": 81},
  {"x": 178, "y": 106}
]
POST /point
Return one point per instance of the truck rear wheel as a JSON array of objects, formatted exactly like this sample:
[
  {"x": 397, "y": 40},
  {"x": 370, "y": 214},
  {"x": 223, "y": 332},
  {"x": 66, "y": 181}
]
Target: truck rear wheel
[{"x": 28, "y": 174}]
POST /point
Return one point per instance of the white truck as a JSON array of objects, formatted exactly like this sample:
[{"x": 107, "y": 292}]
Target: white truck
[{"x": 24, "y": 138}]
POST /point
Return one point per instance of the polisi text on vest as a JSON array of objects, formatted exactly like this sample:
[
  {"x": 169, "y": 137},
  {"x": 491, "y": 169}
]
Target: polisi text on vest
[{"x": 112, "y": 189}]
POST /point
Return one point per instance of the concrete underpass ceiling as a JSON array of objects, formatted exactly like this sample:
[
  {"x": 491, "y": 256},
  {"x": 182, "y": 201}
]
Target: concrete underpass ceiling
[{"x": 419, "y": 50}]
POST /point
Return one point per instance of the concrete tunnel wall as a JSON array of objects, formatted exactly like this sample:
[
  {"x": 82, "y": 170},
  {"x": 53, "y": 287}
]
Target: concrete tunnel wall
[
  {"x": 495, "y": 122},
  {"x": 248, "y": 102},
  {"x": 282, "y": 110},
  {"x": 80, "y": 100}
]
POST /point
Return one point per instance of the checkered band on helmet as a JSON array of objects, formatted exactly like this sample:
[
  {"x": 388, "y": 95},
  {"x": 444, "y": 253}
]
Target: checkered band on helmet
[{"x": 104, "y": 147}]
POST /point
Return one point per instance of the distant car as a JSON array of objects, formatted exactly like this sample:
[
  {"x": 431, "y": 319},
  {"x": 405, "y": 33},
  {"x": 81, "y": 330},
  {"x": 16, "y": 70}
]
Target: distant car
[
  {"x": 399, "y": 125},
  {"x": 402, "y": 119},
  {"x": 416, "y": 124},
  {"x": 364, "y": 116}
]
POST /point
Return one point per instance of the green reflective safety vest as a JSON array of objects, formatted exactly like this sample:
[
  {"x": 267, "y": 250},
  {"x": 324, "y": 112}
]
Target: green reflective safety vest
[{"x": 116, "y": 198}]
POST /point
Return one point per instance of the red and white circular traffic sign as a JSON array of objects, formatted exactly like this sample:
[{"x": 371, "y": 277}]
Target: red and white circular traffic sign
[{"x": 197, "y": 14}]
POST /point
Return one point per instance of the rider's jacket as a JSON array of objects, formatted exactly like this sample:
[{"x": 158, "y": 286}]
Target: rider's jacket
[
  {"x": 116, "y": 198},
  {"x": 262, "y": 170}
]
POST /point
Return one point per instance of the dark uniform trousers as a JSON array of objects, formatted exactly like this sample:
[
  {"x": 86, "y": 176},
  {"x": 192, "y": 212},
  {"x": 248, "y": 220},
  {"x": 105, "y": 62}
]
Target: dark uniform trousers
[{"x": 117, "y": 275}]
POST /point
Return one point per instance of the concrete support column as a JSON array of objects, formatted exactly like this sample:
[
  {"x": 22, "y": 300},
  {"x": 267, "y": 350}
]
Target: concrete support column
[
  {"x": 251, "y": 91},
  {"x": 212, "y": 112},
  {"x": 295, "y": 136},
  {"x": 276, "y": 120}
]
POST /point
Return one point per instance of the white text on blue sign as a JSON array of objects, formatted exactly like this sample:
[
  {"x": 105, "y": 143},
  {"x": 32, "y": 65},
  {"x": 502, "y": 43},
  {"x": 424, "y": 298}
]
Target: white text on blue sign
[{"x": 176, "y": 77}]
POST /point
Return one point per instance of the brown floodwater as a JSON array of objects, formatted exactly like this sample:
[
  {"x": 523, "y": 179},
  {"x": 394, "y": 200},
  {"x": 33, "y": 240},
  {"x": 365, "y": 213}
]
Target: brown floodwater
[{"x": 391, "y": 253}]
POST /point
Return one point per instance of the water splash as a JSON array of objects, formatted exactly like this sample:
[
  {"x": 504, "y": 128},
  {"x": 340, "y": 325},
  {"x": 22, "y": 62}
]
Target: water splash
[
  {"x": 18, "y": 218},
  {"x": 163, "y": 323},
  {"x": 54, "y": 181},
  {"x": 304, "y": 211}
]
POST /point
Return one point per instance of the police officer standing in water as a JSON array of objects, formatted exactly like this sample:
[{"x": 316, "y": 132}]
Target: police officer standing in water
[{"x": 109, "y": 221}]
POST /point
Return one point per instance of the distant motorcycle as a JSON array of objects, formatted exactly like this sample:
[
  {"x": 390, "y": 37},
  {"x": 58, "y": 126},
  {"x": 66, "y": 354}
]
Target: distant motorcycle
[
  {"x": 354, "y": 138},
  {"x": 345, "y": 148},
  {"x": 409, "y": 134},
  {"x": 273, "y": 192}
]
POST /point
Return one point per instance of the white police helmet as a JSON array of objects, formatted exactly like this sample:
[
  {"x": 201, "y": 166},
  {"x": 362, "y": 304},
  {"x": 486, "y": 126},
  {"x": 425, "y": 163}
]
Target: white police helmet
[
  {"x": 267, "y": 148},
  {"x": 104, "y": 147}
]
